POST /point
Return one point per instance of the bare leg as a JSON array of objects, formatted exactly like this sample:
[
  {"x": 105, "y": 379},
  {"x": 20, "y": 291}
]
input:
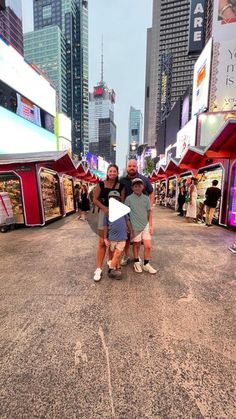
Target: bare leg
[
  {"x": 147, "y": 249},
  {"x": 136, "y": 249},
  {"x": 101, "y": 250},
  {"x": 115, "y": 263}
]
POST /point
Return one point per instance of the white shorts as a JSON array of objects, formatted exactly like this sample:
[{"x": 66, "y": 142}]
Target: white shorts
[{"x": 142, "y": 235}]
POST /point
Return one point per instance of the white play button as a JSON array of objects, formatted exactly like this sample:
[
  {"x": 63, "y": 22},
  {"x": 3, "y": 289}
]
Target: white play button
[{"x": 117, "y": 209}]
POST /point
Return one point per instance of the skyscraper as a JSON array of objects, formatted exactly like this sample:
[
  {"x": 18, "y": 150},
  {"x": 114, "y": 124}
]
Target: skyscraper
[
  {"x": 101, "y": 106},
  {"x": 135, "y": 126},
  {"x": 11, "y": 23},
  {"x": 169, "y": 68},
  {"x": 67, "y": 54}
]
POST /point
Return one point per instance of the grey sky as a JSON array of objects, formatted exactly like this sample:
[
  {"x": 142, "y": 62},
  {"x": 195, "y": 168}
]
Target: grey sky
[{"x": 123, "y": 24}]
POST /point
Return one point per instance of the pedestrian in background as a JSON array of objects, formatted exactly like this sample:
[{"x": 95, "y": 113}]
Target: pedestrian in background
[
  {"x": 84, "y": 203},
  {"x": 100, "y": 199},
  {"x": 181, "y": 200},
  {"x": 192, "y": 201},
  {"x": 77, "y": 197},
  {"x": 212, "y": 195}
]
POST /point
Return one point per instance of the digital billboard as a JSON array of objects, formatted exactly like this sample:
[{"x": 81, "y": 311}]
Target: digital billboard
[
  {"x": 209, "y": 124},
  {"x": 186, "y": 137},
  {"x": 21, "y": 136},
  {"x": 19, "y": 75},
  {"x": 223, "y": 78},
  {"x": 196, "y": 26},
  {"x": 92, "y": 161},
  {"x": 201, "y": 80},
  {"x": 28, "y": 110},
  {"x": 224, "y": 20}
]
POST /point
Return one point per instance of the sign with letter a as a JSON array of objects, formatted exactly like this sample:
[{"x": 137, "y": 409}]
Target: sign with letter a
[{"x": 196, "y": 26}]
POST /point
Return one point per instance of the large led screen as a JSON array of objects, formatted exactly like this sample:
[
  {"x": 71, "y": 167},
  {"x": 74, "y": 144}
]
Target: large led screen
[
  {"x": 201, "y": 80},
  {"x": 19, "y": 75},
  {"x": 21, "y": 136},
  {"x": 186, "y": 137}
]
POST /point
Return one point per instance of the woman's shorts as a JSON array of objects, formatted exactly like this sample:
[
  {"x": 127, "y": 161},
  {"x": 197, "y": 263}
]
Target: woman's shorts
[
  {"x": 142, "y": 235},
  {"x": 101, "y": 220}
]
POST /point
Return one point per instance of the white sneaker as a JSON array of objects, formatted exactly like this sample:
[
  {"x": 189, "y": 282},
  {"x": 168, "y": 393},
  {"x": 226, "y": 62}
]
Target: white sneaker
[
  {"x": 97, "y": 274},
  {"x": 149, "y": 268},
  {"x": 138, "y": 267},
  {"x": 124, "y": 260}
]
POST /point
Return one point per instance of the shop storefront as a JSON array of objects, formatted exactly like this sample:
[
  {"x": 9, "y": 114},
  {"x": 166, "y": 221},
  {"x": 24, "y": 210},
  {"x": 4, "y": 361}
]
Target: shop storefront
[
  {"x": 50, "y": 192},
  {"x": 206, "y": 176},
  {"x": 68, "y": 194},
  {"x": 10, "y": 183},
  {"x": 33, "y": 184},
  {"x": 171, "y": 192}
]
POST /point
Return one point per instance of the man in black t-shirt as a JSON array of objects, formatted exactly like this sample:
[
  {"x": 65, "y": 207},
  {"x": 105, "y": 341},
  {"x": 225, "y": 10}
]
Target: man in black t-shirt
[
  {"x": 126, "y": 181},
  {"x": 212, "y": 195}
]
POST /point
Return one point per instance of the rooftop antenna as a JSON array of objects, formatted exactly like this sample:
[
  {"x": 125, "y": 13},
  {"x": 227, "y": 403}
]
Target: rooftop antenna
[{"x": 102, "y": 62}]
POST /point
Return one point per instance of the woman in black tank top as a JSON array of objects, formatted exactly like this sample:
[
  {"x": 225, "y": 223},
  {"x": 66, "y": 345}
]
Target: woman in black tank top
[{"x": 100, "y": 199}]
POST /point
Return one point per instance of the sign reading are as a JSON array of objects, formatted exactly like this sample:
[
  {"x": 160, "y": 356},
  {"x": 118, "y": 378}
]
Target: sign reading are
[{"x": 196, "y": 26}]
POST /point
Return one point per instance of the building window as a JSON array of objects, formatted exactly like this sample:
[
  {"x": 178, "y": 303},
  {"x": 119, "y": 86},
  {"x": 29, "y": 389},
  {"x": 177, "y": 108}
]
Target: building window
[{"x": 47, "y": 12}]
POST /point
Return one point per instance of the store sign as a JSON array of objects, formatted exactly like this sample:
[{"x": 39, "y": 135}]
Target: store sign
[
  {"x": 224, "y": 20},
  {"x": 201, "y": 80},
  {"x": 19, "y": 75},
  {"x": 23, "y": 169},
  {"x": 186, "y": 137},
  {"x": 196, "y": 26},
  {"x": 21, "y": 136},
  {"x": 210, "y": 124},
  {"x": 223, "y": 79},
  {"x": 166, "y": 78}
]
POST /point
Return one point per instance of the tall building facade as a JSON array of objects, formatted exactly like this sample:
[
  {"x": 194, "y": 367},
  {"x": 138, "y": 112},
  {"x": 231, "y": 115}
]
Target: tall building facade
[
  {"x": 71, "y": 52},
  {"x": 107, "y": 139},
  {"x": 135, "y": 126},
  {"x": 170, "y": 69},
  {"x": 11, "y": 23},
  {"x": 101, "y": 108}
]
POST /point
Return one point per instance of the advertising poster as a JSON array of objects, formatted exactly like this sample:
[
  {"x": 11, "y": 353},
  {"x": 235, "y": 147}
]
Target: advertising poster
[
  {"x": 28, "y": 110},
  {"x": 223, "y": 79},
  {"x": 201, "y": 80},
  {"x": 224, "y": 20},
  {"x": 186, "y": 137}
]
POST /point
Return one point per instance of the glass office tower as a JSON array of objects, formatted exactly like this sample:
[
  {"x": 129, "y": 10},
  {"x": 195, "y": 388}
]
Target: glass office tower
[{"x": 71, "y": 17}]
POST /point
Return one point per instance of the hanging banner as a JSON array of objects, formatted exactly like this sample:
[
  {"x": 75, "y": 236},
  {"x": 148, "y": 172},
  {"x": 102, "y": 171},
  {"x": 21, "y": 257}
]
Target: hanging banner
[{"x": 196, "y": 26}]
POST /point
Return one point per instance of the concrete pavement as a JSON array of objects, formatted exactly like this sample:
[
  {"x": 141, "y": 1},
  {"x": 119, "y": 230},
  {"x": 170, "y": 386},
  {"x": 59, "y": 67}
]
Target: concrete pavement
[{"x": 158, "y": 346}]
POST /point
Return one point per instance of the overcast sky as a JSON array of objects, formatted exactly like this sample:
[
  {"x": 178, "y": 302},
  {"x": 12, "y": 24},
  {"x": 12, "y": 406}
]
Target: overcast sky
[{"x": 123, "y": 24}]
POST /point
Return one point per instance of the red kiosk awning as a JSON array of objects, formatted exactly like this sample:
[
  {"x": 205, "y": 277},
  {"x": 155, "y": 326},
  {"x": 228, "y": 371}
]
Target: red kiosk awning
[
  {"x": 224, "y": 144},
  {"x": 191, "y": 158}
]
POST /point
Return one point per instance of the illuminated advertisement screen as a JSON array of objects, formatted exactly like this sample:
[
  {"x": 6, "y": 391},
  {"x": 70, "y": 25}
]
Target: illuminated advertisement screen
[
  {"x": 186, "y": 137},
  {"x": 21, "y": 136},
  {"x": 201, "y": 80},
  {"x": 92, "y": 161},
  {"x": 98, "y": 91},
  {"x": 224, "y": 20},
  {"x": 19, "y": 75},
  {"x": 28, "y": 110}
]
